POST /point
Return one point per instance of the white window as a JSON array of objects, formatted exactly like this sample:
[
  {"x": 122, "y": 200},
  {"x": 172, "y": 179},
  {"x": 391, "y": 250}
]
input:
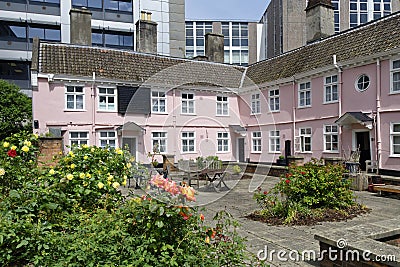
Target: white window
[
  {"x": 255, "y": 104},
  {"x": 362, "y": 11},
  {"x": 188, "y": 142},
  {"x": 158, "y": 100},
  {"x": 274, "y": 102},
  {"x": 395, "y": 139},
  {"x": 256, "y": 142},
  {"x": 159, "y": 141},
  {"x": 222, "y": 105},
  {"x": 78, "y": 138},
  {"x": 107, "y": 99},
  {"x": 108, "y": 138},
  {"x": 362, "y": 83},
  {"x": 331, "y": 89},
  {"x": 274, "y": 141},
  {"x": 305, "y": 139},
  {"x": 305, "y": 94},
  {"x": 331, "y": 138},
  {"x": 74, "y": 98},
  {"x": 395, "y": 76},
  {"x": 223, "y": 142},
  {"x": 187, "y": 103}
]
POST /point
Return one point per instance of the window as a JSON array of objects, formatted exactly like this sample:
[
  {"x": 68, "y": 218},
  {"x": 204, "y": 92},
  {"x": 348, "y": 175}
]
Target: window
[
  {"x": 78, "y": 138},
  {"x": 112, "y": 39},
  {"x": 45, "y": 33},
  {"x": 362, "y": 11},
  {"x": 256, "y": 142},
  {"x": 123, "y": 5},
  {"x": 305, "y": 139},
  {"x": 107, "y": 97},
  {"x": 74, "y": 98},
  {"x": 274, "y": 142},
  {"x": 305, "y": 94},
  {"x": 13, "y": 31},
  {"x": 222, "y": 105},
  {"x": 395, "y": 76},
  {"x": 159, "y": 140},
  {"x": 108, "y": 138},
  {"x": 87, "y": 3},
  {"x": 274, "y": 100},
  {"x": 195, "y": 43},
  {"x": 336, "y": 11},
  {"x": 223, "y": 142},
  {"x": 395, "y": 139},
  {"x": 331, "y": 138},
  {"x": 47, "y": 1},
  {"x": 331, "y": 89},
  {"x": 158, "y": 100},
  {"x": 187, "y": 103},
  {"x": 255, "y": 104},
  {"x": 362, "y": 83},
  {"x": 188, "y": 142},
  {"x": 14, "y": 70}
]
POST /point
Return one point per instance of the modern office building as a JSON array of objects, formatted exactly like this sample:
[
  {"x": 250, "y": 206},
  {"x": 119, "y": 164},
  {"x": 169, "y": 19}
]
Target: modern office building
[
  {"x": 284, "y": 22},
  {"x": 113, "y": 25},
  {"x": 240, "y": 40}
]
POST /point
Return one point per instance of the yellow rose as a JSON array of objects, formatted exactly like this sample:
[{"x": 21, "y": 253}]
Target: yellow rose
[
  {"x": 13, "y": 148},
  {"x": 82, "y": 175},
  {"x": 6, "y": 144},
  {"x": 108, "y": 182},
  {"x": 70, "y": 177},
  {"x": 72, "y": 166},
  {"x": 85, "y": 157},
  {"x": 92, "y": 150},
  {"x": 71, "y": 154},
  {"x": 88, "y": 175},
  {"x": 36, "y": 136},
  {"x": 25, "y": 148},
  {"x": 51, "y": 172},
  {"x": 100, "y": 185},
  {"x": 120, "y": 152},
  {"x": 116, "y": 185},
  {"x": 27, "y": 143},
  {"x": 85, "y": 184},
  {"x": 85, "y": 146},
  {"x": 2, "y": 172},
  {"x": 110, "y": 177},
  {"x": 133, "y": 159},
  {"x": 124, "y": 183},
  {"x": 128, "y": 165}
]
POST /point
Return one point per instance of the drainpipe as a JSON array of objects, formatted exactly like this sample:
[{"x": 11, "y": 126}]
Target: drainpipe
[
  {"x": 340, "y": 82},
  {"x": 294, "y": 114},
  {"x": 174, "y": 119},
  {"x": 378, "y": 115},
  {"x": 93, "y": 98}
]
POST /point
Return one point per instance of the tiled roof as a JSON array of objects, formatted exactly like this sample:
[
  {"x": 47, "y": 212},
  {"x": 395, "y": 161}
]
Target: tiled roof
[
  {"x": 373, "y": 38},
  {"x": 128, "y": 66}
]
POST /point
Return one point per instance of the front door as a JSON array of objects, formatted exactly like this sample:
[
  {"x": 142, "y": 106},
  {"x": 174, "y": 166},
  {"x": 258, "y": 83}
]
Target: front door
[
  {"x": 363, "y": 143},
  {"x": 131, "y": 143},
  {"x": 241, "y": 149}
]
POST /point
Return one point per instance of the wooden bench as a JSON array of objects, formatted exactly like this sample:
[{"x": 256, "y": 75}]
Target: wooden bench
[{"x": 387, "y": 188}]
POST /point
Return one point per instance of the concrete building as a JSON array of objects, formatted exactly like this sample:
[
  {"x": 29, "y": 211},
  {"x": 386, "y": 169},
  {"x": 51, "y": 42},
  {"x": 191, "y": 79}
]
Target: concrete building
[
  {"x": 284, "y": 21},
  {"x": 240, "y": 39},
  {"x": 322, "y": 100},
  {"x": 112, "y": 25}
]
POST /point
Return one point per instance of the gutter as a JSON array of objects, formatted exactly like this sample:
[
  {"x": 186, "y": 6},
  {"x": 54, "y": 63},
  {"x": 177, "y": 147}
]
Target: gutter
[{"x": 378, "y": 116}]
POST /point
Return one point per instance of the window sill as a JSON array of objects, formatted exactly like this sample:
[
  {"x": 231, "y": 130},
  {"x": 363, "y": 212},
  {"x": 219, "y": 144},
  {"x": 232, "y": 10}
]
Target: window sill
[
  {"x": 394, "y": 156},
  {"x": 223, "y": 152},
  {"x": 330, "y": 152},
  {"x": 106, "y": 111},
  {"x": 221, "y": 115},
  {"x": 305, "y": 152},
  {"x": 274, "y": 111},
  {"x": 188, "y": 114},
  {"x": 189, "y": 152},
  {"x": 394, "y": 92},
  {"x": 256, "y": 152},
  {"x": 331, "y": 102},
  {"x": 75, "y": 110},
  {"x": 303, "y": 107},
  {"x": 159, "y": 113},
  {"x": 255, "y": 114}
]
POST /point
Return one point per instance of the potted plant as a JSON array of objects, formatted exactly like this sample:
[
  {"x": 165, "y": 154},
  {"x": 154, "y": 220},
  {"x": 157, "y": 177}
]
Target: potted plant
[
  {"x": 236, "y": 169},
  {"x": 281, "y": 161}
]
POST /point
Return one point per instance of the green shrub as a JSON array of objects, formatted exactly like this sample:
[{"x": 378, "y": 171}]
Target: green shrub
[{"x": 306, "y": 188}]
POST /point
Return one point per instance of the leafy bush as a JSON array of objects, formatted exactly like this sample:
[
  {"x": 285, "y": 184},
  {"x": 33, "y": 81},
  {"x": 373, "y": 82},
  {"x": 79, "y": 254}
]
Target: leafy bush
[{"x": 305, "y": 189}]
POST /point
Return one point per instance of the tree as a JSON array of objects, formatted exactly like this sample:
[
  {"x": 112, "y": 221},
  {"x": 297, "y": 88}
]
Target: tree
[{"x": 15, "y": 110}]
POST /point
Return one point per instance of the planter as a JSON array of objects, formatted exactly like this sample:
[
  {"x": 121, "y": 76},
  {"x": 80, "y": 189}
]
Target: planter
[{"x": 281, "y": 162}]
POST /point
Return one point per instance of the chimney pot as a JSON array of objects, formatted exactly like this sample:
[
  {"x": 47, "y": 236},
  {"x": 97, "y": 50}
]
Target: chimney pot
[
  {"x": 81, "y": 26},
  {"x": 214, "y": 49},
  {"x": 319, "y": 20}
]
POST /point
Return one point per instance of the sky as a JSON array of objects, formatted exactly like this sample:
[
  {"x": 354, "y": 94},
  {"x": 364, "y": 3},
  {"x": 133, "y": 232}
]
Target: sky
[{"x": 225, "y": 9}]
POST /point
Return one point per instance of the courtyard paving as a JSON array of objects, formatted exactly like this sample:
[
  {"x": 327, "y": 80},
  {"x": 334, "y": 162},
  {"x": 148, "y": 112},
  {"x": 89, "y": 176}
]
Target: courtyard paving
[{"x": 262, "y": 237}]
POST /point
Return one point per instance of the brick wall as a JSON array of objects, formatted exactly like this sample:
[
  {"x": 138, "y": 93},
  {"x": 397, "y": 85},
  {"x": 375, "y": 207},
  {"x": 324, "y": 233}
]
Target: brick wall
[{"x": 49, "y": 147}]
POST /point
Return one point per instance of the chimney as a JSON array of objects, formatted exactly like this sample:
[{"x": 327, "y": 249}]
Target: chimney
[
  {"x": 319, "y": 20},
  {"x": 214, "y": 49},
  {"x": 146, "y": 34},
  {"x": 81, "y": 26}
]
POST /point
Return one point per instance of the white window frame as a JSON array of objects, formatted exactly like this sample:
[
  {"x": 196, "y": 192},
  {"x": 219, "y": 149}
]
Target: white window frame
[
  {"x": 108, "y": 138},
  {"x": 75, "y": 94},
  {"x": 186, "y": 138},
  {"x": 107, "y": 96},
  {"x": 161, "y": 96},
  {"x": 274, "y": 100},
  {"x": 274, "y": 141},
  {"x": 222, "y": 105},
  {"x": 329, "y": 131},
  {"x": 302, "y": 94},
  {"x": 223, "y": 142},
  {"x": 255, "y": 104},
  {"x": 160, "y": 140},
  {"x": 303, "y": 136},
  {"x": 256, "y": 142},
  {"x": 79, "y": 139},
  {"x": 392, "y": 72},
  {"x": 329, "y": 89},
  {"x": 392, "y": 135},
  {"x": 187, "y": 101}
]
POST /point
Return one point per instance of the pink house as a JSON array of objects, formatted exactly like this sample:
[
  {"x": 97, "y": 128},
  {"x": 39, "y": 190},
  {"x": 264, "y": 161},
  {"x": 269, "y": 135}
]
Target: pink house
[{"x": 325, "y": 99}]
